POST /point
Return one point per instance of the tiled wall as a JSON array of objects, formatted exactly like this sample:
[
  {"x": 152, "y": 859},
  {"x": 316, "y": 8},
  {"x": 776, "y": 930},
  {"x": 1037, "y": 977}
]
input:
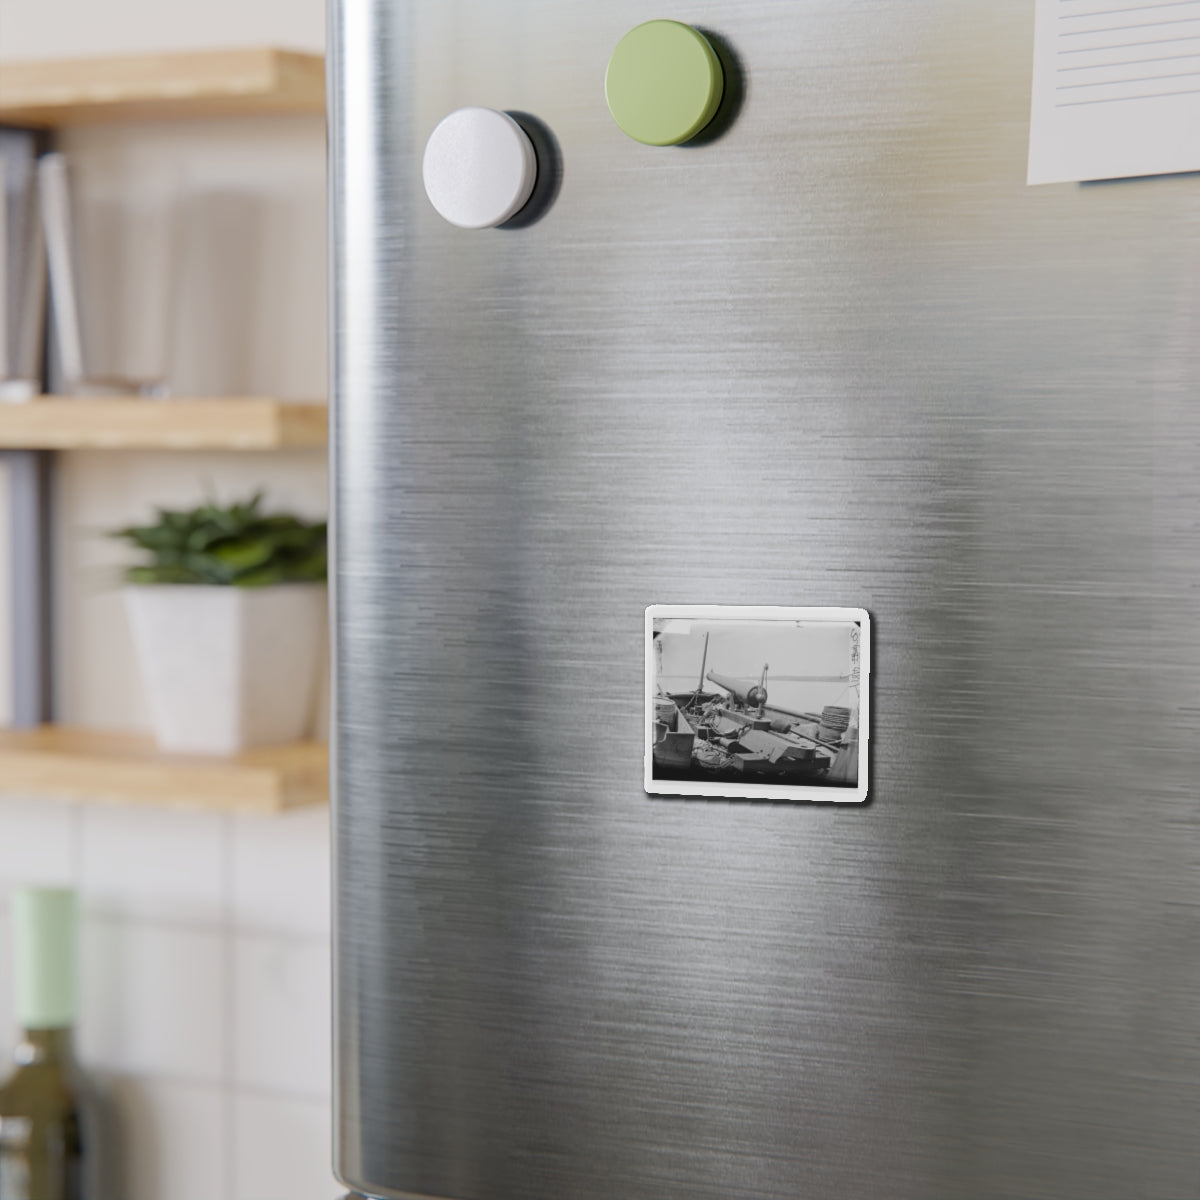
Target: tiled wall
[
  {"x": 205, "y": 988},
  {"x": 206, "y": 937},
  {"x": 63, "y": 28}
]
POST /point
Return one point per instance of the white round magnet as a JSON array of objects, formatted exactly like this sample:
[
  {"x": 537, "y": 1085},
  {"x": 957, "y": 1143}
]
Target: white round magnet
[{"x": 479, "y": 168}]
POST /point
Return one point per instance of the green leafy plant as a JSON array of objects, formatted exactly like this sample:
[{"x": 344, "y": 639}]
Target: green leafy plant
[{"x": 238, "y": 546}]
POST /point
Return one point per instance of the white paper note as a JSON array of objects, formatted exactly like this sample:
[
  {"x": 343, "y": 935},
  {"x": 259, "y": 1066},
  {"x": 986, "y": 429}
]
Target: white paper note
[{"x": 1116, "y": 89}]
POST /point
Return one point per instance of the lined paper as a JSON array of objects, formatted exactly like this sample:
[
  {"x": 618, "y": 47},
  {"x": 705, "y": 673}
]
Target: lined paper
[{"x": 1116, "y": 89}]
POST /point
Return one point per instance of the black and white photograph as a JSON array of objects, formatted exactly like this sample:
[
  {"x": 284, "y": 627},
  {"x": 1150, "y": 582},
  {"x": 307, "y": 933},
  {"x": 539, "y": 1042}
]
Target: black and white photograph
[{"x": 757, "y": 703}]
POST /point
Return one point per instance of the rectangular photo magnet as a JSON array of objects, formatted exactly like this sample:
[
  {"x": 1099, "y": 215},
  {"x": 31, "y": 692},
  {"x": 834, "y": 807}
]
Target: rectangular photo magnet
[{"x": 756, "y": 703}]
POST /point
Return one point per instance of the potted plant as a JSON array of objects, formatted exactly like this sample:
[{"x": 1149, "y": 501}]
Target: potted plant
[{"x": 228, "y": 621}]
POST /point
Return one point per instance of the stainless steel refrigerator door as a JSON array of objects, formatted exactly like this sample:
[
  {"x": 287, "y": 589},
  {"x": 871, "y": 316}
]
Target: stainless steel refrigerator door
[{"x": 840, "y": 355}]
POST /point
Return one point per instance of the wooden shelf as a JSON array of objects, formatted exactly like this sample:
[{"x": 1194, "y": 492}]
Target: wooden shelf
[
  {"x": 77, "y": 764},
  {"x": 229, "y": 423},
  {"x": 216, "y": 83}
]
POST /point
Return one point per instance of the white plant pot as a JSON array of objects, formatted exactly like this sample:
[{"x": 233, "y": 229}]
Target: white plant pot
[{"x": 227, "y": 668}]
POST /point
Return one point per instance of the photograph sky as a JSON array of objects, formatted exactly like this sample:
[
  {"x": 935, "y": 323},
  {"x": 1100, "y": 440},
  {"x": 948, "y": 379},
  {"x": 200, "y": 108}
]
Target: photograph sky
[{"x": 740, "y": 648}]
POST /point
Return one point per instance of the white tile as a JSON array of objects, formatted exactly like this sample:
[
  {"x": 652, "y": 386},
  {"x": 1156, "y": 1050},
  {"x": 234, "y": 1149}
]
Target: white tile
[
  {"x": 153, "y": 863},
  {"x": 8, "y": 1016},
  {"x": 282, "y": 1150},
  {"x": 170, "y": 1140},
  {"x": 37, "y": 841},
  {"x": 152, "y": 1000},
  {"x": 321, "y": 719},
  {"x": 6, "y": 638},
  {"x": 282, "y": 1014},
  {"x": 281, "y": 872}
]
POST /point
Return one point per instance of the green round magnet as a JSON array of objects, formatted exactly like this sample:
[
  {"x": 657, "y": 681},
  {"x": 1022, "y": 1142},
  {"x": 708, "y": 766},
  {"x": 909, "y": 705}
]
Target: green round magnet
[{"x": 664, "y": 83}]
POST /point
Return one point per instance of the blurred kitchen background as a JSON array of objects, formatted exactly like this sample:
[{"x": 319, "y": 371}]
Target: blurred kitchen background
[{"x": 205, "y": 955}]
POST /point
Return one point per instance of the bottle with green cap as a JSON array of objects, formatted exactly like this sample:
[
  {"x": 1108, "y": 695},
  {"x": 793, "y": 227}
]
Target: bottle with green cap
[{"x": 44, "y": 1151}]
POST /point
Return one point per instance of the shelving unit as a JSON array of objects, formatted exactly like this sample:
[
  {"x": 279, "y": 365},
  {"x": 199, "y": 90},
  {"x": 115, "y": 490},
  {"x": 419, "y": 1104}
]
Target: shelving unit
[
  {"x": 79, "y": 764},
  {"x": 227, "y": 423},
  {"x": 43, "y": 759},
  {"x": 145, "y": 87}
]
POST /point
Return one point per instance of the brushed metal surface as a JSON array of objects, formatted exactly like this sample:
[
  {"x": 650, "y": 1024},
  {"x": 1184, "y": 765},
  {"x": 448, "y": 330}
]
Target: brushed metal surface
[{"x": 840, "y": 355}]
